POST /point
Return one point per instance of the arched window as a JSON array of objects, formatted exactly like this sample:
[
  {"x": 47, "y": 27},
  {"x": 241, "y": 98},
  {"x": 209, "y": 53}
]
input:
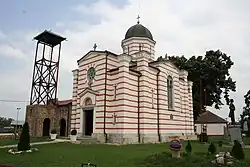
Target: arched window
[{"x": 170, "y": 92}]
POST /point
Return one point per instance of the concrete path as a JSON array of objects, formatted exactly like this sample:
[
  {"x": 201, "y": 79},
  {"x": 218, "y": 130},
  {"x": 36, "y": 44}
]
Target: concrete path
[{"x": 39, "y": 143}]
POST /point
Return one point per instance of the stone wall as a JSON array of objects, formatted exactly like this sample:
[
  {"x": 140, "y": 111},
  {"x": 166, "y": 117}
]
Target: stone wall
[
  {"x": 4, "y": 136},
  {"x": 65, "y": 113},
  {"x": 36, "y": 114}
]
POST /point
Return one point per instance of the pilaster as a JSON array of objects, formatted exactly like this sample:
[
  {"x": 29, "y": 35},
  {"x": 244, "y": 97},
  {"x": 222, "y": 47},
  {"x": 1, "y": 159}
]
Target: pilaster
[
  {"x": 123, "y": 81},
  {"x": 74, "y": 98}
]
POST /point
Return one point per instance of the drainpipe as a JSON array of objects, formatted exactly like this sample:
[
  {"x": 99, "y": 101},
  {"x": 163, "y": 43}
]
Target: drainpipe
[
  {"x": 69, "y": 118},
  {"x": 158, "y": 108},
  {"x": 105, "y": 98},
  {"x": 138, "y": 111}
]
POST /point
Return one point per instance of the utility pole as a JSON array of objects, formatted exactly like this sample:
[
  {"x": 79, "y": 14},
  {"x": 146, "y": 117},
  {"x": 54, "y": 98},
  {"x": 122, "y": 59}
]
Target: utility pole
[{"x": 16, "y": 127}]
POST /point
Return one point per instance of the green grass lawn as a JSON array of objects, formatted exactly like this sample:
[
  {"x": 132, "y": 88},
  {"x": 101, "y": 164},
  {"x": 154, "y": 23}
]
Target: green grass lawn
[
  {"x": 72, "y": 155},
  {"x": 32, "y": 140}
]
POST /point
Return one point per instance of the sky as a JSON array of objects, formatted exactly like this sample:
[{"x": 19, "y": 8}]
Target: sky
[{"x": 179, "y": 27}]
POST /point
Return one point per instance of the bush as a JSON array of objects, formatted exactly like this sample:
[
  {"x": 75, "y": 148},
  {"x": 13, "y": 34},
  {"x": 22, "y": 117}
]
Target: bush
[
  {"x": 203, "y": 137},
  {"x": 220, "y": 144},
  {"x": 73, "y": 132},
  {"x": 211, "y": 148},
  {"x": 53, "y": 131},
  {"x": 24, "y": 141},
  {"x": 165, "y": 159},
  {"x": 188, "y": 148},
  {"x": 237, "y": 151}
]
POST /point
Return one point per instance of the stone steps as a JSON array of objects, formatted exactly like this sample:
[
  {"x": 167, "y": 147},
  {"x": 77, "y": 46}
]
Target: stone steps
[{"x": 88, "y": 140}]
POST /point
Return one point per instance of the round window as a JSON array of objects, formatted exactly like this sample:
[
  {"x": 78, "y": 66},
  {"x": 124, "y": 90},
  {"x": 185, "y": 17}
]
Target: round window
[{"x": 91, "y": 73}]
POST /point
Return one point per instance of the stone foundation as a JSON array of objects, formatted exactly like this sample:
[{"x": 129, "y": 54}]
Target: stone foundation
[{"x": 133, "y": 138}]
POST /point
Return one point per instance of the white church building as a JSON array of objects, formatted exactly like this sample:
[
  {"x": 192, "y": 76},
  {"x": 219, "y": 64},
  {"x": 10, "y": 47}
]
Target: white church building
[{"x": 130, "y": 97}]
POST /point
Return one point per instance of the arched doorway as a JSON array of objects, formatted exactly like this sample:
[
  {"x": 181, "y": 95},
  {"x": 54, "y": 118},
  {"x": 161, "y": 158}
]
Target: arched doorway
[
  {"x": 46, "y": 127},
  {"x": 62, "y": 127}
]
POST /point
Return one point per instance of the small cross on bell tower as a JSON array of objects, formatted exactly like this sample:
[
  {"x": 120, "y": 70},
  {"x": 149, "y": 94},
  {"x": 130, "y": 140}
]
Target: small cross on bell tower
[{"x": 95, "y": 46}]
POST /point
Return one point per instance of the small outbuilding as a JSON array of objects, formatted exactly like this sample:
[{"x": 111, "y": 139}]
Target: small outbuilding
[{"x": 211, "y": 124}]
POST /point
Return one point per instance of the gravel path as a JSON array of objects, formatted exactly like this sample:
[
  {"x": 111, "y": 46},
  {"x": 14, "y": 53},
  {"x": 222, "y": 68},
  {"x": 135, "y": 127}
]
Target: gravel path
[{"x": 39, "y": 143}]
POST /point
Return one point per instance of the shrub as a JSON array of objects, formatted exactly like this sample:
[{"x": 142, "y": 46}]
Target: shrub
[
  {"x": 220, "y": 144},
  {"x": 188, "y": 148},
  {"x": 203, "y": 137},
  {"x": 237, "y": 151},
  {"x": 73, "y": 132},
  {"x": 24, "y": 141},
  {"x": 211, "y": 148},
  {"x": 53, "y": 131},
  {"x": 165, "y": 159}
]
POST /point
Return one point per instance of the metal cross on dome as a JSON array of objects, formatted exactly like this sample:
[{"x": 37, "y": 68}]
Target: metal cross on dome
[{"x": 138, "y": 19}]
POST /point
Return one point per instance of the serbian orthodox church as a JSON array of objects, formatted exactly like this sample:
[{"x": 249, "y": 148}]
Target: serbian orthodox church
[{"x": 130, "y": 97}]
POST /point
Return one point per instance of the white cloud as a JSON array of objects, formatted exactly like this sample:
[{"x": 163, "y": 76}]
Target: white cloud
[
  {"x": 2, "y": 35},
  {"x": 11, "y": 51},
  {"x": 179, "y": 28}
]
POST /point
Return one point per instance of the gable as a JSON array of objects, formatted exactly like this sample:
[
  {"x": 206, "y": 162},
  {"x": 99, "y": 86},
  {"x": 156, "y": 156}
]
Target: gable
[
  {"x": 87, "y": 94},
  {"x": 96, "y": 52},
  {"x": 86, "y": 56},
  {"x": 87, "y": 90},
  {"x": 169, "y": 63},
  {"x": 209, "y": 117}
]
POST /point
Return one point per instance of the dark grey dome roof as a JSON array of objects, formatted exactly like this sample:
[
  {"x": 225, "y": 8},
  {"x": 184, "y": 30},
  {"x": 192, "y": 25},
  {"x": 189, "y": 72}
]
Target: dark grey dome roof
[{"x": 138, "y": 30}]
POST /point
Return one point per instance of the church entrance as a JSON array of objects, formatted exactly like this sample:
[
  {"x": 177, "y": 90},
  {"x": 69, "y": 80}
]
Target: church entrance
[
  {"x": 88, "y": 122},
  {"x": 46, "y": 127},
  {"x": 62, "y": 127}
]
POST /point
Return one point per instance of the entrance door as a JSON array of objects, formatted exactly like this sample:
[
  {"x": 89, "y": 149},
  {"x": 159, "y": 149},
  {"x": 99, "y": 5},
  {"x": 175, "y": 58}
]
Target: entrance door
[
  {"x": 46, "y": 127},
  {"x": 62, "y": 127},
  {"x": 88, "y": 122}
]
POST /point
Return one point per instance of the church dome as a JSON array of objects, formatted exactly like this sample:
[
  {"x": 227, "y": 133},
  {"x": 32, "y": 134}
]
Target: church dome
[{"x": 138, "y": 30}]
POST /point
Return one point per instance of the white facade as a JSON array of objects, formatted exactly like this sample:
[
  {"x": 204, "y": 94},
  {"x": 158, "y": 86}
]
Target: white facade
[
  {"x": 216, "y": 129},
  {"x": 129, "y": 97}
]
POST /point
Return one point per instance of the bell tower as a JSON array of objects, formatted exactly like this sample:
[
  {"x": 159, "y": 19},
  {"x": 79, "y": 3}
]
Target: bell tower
[{"x": 46, "y": 68}]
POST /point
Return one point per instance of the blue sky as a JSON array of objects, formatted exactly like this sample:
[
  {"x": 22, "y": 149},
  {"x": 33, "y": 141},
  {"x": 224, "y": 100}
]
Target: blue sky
[
  {"x": 30, "y": 14},
  {"x": 177, "y": 29}
]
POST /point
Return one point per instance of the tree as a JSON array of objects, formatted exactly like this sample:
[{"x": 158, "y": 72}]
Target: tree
[
  {"x": 5, "y": 122},
  {"x": 246, "y": 110},
  {"x": 210, "y": 77},
  {"x": 188, "y": 148},
  {"x": 212, "y": 148},
  {"x": 237, "y": 151},
  {"x": 24, "y": 142}
]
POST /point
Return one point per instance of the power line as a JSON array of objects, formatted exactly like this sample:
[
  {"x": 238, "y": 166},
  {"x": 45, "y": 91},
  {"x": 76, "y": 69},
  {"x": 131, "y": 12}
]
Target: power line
[{"x": 14, "y": 101}]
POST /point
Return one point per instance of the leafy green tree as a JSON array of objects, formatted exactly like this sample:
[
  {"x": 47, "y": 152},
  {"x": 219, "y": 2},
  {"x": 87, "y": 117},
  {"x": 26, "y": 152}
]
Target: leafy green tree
[
  {"x": 210, "y": 77},
  {"x": 5, "y": 122},
  {"x": 24, "y": 142},
  {"x": 246, "y": 111}
]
